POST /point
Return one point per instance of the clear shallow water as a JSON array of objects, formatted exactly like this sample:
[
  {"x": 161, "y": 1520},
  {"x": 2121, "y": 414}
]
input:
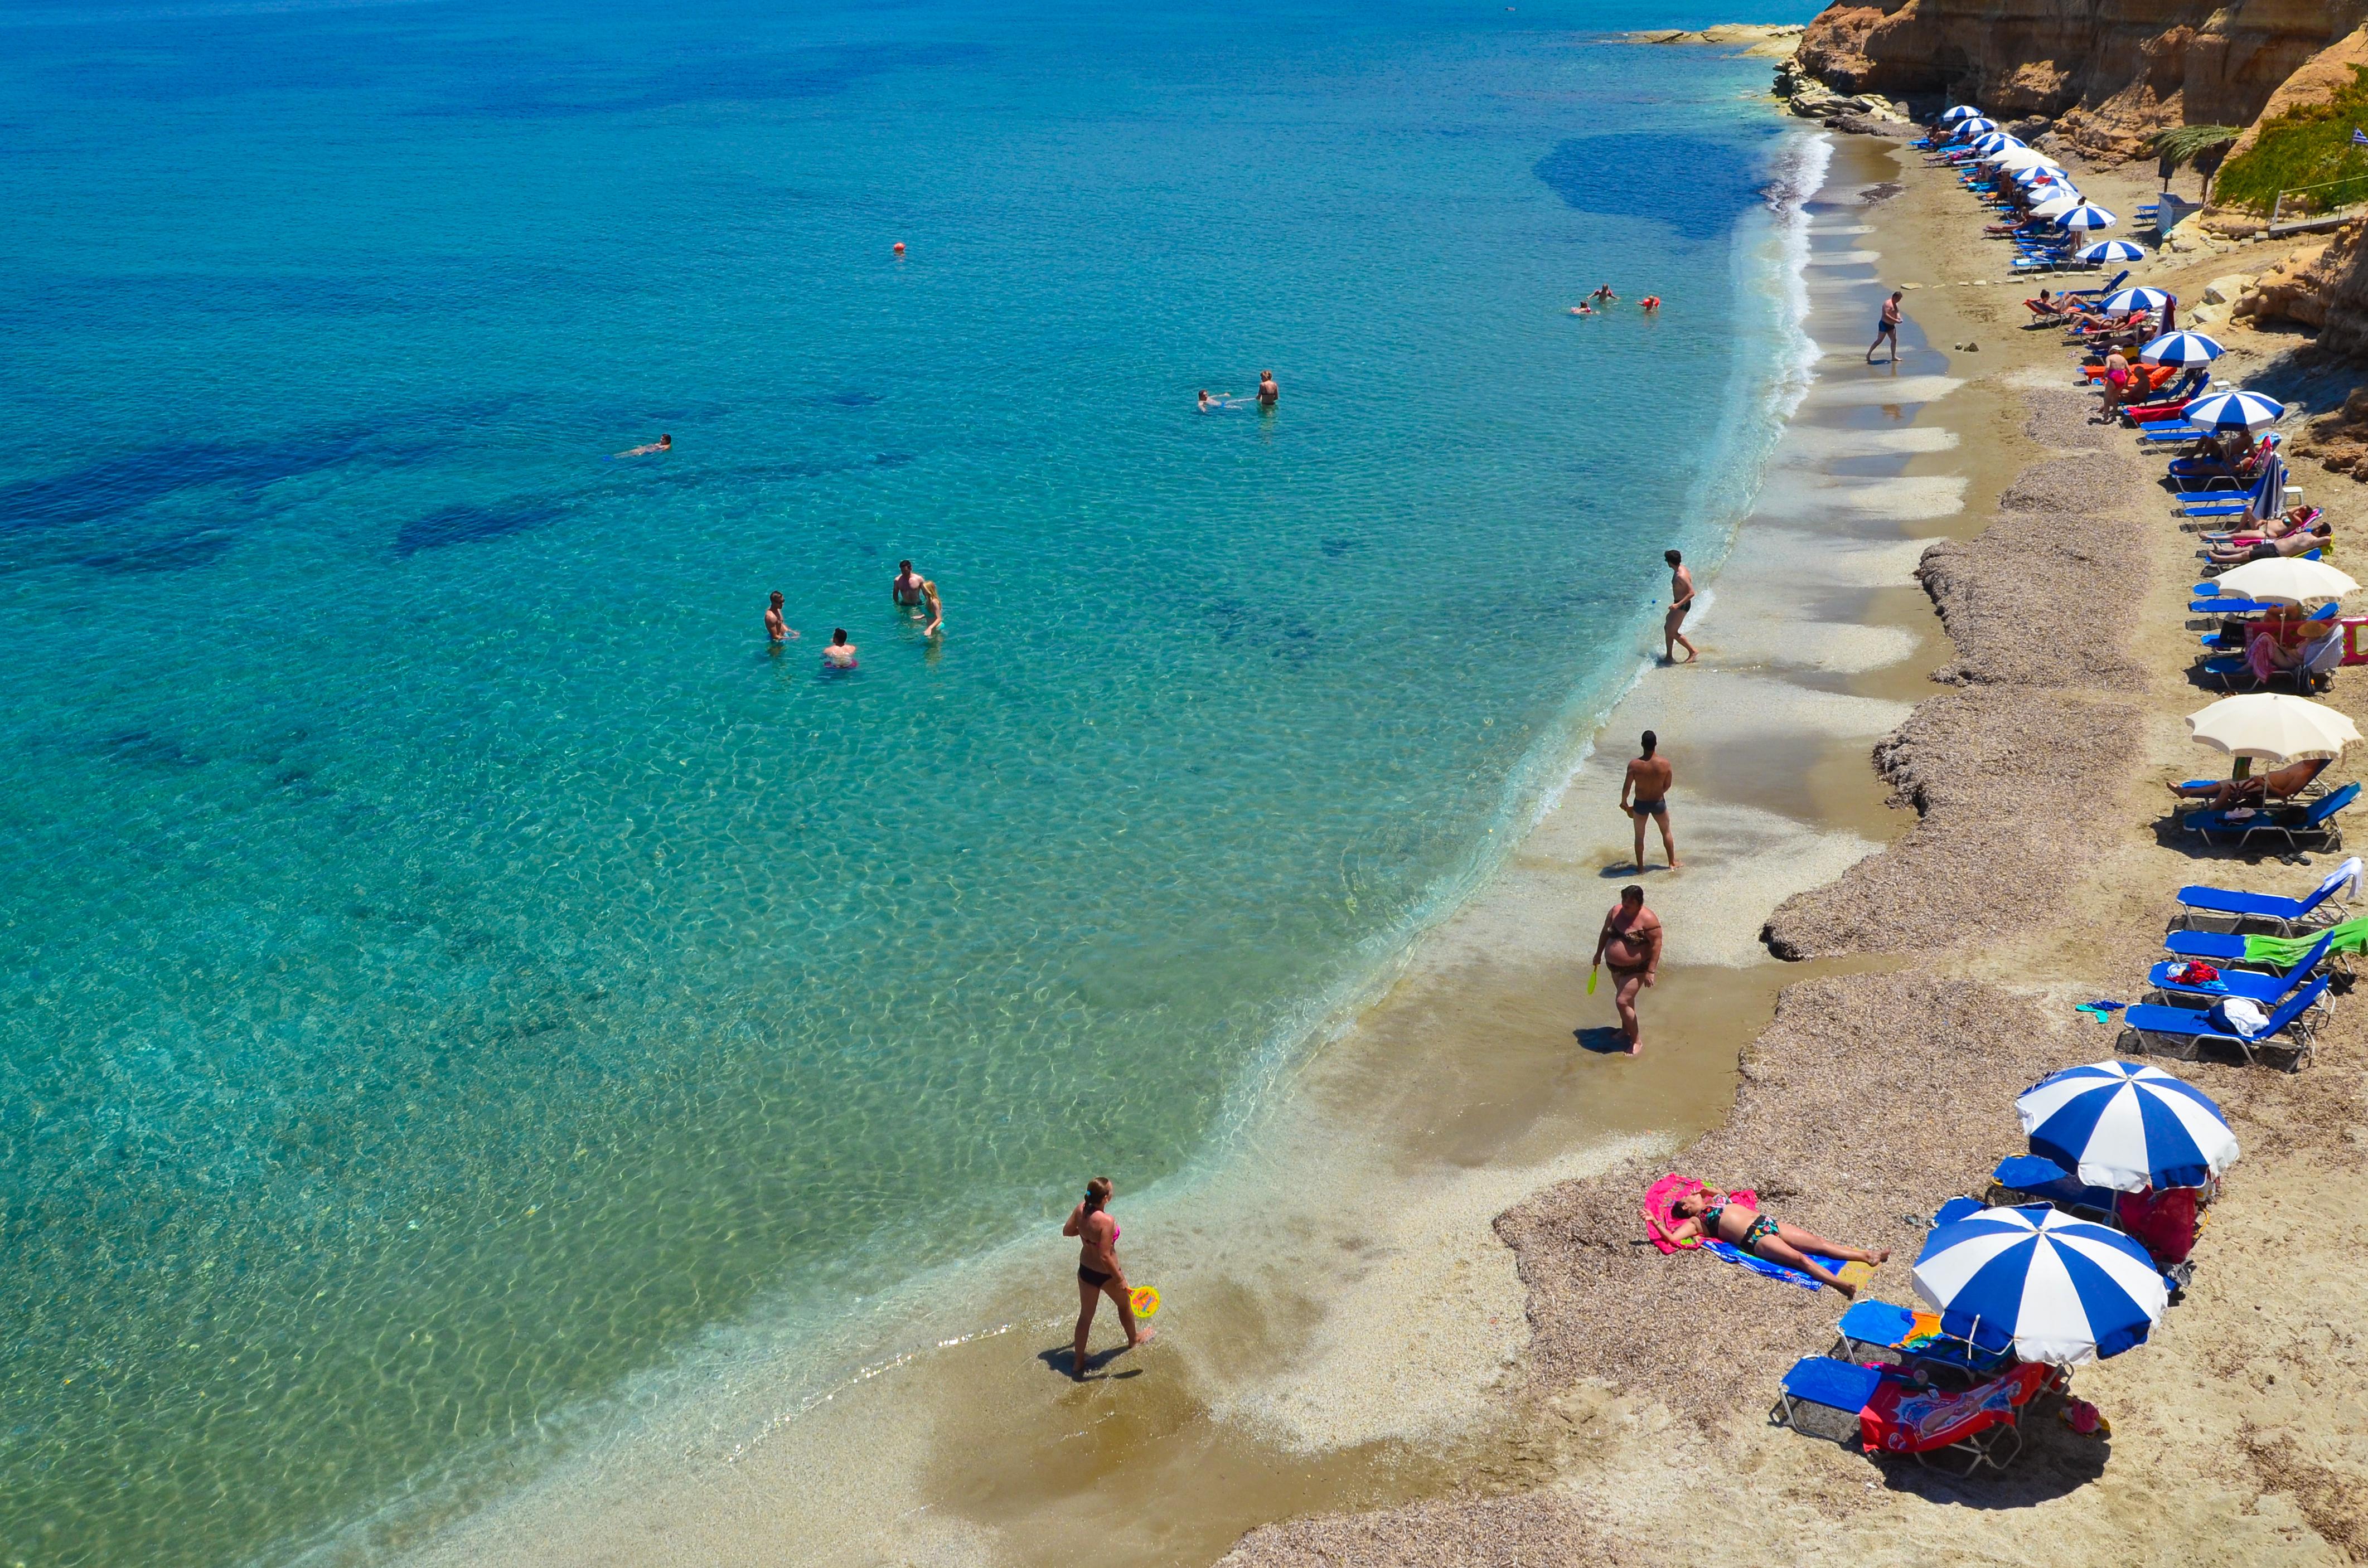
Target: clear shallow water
[{"x": 448, "y": 962}]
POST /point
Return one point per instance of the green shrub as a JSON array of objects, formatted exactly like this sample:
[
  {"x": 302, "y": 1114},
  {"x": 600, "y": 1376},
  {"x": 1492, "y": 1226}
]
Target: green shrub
[{"x": 2308, "y": 145}]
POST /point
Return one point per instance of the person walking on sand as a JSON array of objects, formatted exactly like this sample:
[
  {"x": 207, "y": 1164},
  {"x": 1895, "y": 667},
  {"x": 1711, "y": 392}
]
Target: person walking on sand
[
  {"x": 777, "y": 629},
  {"x": 1100, "y": 1273},
  {"x": 1648, "y": 783},
  {"x": 1681, "y": 599},
  {"x": 1629, "y": 947},
  {"x": 1887, "y": 325}
]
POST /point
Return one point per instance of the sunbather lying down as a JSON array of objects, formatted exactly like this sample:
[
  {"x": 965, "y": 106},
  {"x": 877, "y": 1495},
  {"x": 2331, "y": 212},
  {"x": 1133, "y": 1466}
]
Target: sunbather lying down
[
  {"x": 2279, "y": 784},
  {"x": 2298, "y": 542},
  {"x": 1711, "y": 1217}
]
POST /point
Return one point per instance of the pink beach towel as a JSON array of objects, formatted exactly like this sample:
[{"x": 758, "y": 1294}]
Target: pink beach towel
[{"x": 1663, "y": 1194}]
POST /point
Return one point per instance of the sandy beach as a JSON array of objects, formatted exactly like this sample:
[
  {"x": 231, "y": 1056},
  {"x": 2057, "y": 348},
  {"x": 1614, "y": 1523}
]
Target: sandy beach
[{"x": 2039, "y": 873}]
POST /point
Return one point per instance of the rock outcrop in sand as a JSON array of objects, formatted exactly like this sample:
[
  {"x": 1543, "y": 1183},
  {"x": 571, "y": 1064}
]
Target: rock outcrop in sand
[
  {"x": 2111, "y": 75},
  {"x": 1764, "y": 40}
]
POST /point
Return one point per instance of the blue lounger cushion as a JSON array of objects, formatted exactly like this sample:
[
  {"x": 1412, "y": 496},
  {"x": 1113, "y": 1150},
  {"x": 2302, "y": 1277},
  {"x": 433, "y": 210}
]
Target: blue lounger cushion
[
  {"x": 1839, "y": 1385},
  {"x": 2052, "y": 1184},
  {"x": 2252, "y": 984},
  {"x": 2274, "y": 907}
]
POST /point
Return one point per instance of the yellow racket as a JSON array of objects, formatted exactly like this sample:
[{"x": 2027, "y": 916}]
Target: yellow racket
[
  {"x": 1590, "y": 980},
  {"x": 1144, "y": 1300}
]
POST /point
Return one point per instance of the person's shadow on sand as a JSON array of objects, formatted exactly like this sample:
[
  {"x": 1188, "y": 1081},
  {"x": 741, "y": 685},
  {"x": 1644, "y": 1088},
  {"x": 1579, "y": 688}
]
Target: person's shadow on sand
[
  {"x": 1058, "y": 1360},
  {"x": 1604, "y": 1041}
]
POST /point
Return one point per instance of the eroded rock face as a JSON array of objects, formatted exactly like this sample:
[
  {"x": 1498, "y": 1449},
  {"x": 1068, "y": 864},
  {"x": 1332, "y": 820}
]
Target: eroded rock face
[
  {"x": 2112, "y": 73},
  {"x": 2302, "y": 288}
]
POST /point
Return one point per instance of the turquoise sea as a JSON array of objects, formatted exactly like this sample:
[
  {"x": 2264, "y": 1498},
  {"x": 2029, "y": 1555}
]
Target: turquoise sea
[{"x": 448, "y": 965}]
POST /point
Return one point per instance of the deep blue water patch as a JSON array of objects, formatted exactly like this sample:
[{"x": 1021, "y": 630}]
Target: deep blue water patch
[
  {"x": 466, "y": 522},
  {"x": 1696, "y": 186}
]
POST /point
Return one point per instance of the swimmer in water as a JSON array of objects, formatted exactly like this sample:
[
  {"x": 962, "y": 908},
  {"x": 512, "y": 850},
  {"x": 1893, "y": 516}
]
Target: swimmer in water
[
  {"x": 1580, "y": 311},
  {"x": 663, "y": 444},
  {"x": 907, "y": 589},
  {"x": 1268, "y": 394},
  {"x": 778, "y": 630},
  {"x": 936, "y": 610},
  {"x": 1604, "y": 293},
  {"x": 1206, "y": 405},
  {"x": 840, "y": 654},
  {"x": 1649, "y": 304}
]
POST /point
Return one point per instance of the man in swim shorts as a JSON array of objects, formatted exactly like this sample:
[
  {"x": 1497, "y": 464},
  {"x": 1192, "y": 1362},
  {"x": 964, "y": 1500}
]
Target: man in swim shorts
[
  {"x": 1887, "y": 325},
  {"x": 780, "y": 630},
  {"x": 1268, "y": 394},
  {"x": 1648, "y": 783},
  {"x": 1681, "y": 599},
  {"x": 840, "y": 654},
  {"x": 907, "y": 589},
  {"x": 1629, "y": 947}
]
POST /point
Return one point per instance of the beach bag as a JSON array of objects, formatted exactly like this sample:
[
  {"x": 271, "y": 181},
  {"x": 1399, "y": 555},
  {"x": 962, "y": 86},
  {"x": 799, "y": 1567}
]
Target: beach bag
[
  {"x": 2163, "y": 1222},
  {"x": 2236, "y": 1016},
  {"x": 2195, "y": 973}
]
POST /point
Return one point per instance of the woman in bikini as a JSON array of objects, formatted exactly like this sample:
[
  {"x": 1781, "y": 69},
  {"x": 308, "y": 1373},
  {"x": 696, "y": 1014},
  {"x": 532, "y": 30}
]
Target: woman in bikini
[
  {"x": 1099, "y": 1273},
  {"x": 1713, "y": 1218}
]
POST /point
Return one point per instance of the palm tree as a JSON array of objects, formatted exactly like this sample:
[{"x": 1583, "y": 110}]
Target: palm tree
[{"x": 2203, "y": 145}]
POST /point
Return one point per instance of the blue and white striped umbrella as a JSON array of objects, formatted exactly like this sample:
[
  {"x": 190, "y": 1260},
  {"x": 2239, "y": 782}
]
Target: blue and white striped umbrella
[
  {"x": 2031, "y": 179},
  {"x": 2235, "y": 410},
  {"x": 2055, "y": 1289},
  {"x": 2130, "y": 301},
  {"x": 2127, "y": 1126},
  {"x": 2110, "y": 250},
  {"x": 1963, "y": 111},
  {"x": 1996, "y": 142},
  {"x": 2085, "y": 217},
  {"x": 2182, "y": 348},
  {"x": 1975, "y": 126}
]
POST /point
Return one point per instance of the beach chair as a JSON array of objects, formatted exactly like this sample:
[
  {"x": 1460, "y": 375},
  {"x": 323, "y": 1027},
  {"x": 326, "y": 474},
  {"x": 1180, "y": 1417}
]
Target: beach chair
[
  {"x": 2101, "y": 290},
  {"x": 2314, "y": 825},
  {"x": 2313, "y": 673},
  {"x": 2224, "y": 949},
  {"x": 1821, "y": 1397},
  {"x": 2267, "y": 988},
  {"x": 2030, "y": 1179},
  {"x": 2188, "y": 1030},
  {"x": 1879, "y": 1332},
  {"x": 2229, "y": 909},
  {"x": 1980, "y": 1427}
]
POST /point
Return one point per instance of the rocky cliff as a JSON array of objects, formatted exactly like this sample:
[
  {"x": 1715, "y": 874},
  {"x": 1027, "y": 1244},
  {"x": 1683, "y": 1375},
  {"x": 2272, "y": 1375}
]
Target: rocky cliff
[{"x": 2111, "y": 72}]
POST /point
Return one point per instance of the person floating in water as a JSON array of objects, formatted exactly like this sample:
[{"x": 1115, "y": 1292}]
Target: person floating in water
[
  {"x": 1581, "y": 311},
  {"x": 840, "y": 654},
  {"x": 663, "y": 444},
  {"x": 1100, "y": 1273},
  {"x": 1603, "y": 294},
  {"x": 1649, "y": 304},
  {"x": 776, "y": 628},
  {"x": 907, "y": 589},
  {"x": 936, "y": 610},
  {"x": 1268, "y": 394}
]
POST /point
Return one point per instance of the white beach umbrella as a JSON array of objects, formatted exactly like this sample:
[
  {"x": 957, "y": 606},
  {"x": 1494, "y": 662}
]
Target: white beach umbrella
[
  {"x": 2019, "y": 158},
  {"x": 2234, "y": 411},
  {"x": 2110, "y": 250},
  {"x": 2130, "y": 301},
  {"x": 2181, "y": 348},
  {"x": 1961, "y": 112},
  {"x": 2055, "y": 205},
  {"x": 2087, "y": 218},
  {"x": 2052, "y": 1288},
  {"x": 2127, "y": 1126},
  {"x": 2287, "y": 579},
  {"x": 2271, "y": 726}
]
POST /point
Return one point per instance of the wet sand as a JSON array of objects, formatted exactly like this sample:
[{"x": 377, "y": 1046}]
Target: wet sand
[{"x": 1344, "y": 1327}]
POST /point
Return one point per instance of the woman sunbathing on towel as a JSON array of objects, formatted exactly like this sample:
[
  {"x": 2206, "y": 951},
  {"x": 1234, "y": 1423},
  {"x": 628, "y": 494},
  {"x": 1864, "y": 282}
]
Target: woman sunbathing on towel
[
  {"x": 2280, "y": 784},
  {"x": 1713, "y": 1218},
  {"x": 2289, "y": 541}
]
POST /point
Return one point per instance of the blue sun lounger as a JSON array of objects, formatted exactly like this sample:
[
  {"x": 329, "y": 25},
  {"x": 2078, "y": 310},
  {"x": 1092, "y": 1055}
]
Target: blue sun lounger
[
  {"x": 2268, "y": 990},
  {"x": 1877, "y": 1331},
  {"x": 2273, "y": 913},
  {"x": 2317, "y": 822},
  {"x": 1821, "y": 1397},
  {"x": 2029, "y": 1178},
  {"x": 2193, "y": 1028},
  {"x": 2101, "y": 290}
]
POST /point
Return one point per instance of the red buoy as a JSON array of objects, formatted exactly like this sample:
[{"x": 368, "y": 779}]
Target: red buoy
[{"x": 900, "y": 247}]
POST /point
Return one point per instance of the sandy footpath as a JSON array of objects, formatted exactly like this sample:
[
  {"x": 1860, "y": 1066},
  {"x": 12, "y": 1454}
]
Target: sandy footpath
[{"x": 2038, "y": 873}]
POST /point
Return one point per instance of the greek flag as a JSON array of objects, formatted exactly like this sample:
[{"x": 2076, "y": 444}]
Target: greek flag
[{"x": 2359, "y": 136}]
